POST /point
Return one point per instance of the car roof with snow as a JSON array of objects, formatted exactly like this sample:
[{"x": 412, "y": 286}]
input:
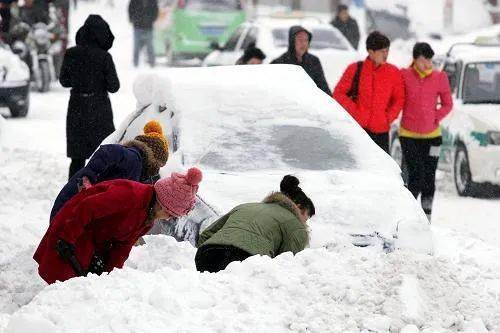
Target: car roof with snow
[
  {"x": 476, "y": 53},
  {"x": 277, "y": 21},
  {"x": 255, "y": 124}
]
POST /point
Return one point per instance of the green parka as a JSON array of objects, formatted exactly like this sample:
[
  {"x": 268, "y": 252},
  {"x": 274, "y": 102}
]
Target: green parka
[{"x": 268, "y": 228}]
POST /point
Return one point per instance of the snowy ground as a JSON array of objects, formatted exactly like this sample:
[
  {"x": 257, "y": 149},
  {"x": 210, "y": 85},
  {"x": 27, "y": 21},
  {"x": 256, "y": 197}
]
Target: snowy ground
[{"x": 338, "y": 289}]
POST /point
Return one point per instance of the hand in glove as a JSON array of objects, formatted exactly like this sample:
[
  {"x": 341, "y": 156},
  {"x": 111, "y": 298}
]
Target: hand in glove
[
  {"x": 96, "y": 266},
  {"x": 65, "y": 249}
]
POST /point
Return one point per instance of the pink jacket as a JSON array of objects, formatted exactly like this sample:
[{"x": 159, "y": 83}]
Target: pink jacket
[{"x": 421, "y": 113}]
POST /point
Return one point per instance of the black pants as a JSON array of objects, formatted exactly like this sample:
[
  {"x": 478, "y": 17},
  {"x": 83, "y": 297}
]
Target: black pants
[
  {"x": 5, "y": 20},
  {"x": 75, "y": 166},
  {"x": 421, "y": 157},
  {"x": 381, "y": 139},
  {"x": 215, "y": 258}
]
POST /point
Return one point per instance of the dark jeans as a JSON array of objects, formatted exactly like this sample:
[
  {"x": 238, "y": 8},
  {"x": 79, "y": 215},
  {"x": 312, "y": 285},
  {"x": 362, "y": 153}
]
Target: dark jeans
[
  {"x": 381, "y": 139},
  {"x": 215, "y": 258},
  {"x": 143, "y": 38},
  {"x": 5, "y": 20},
  {"x": 75, "y": 166},
  {"x": 421, "y": 157}
]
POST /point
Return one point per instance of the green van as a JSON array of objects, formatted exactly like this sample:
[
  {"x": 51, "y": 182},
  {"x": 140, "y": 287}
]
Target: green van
[{"x": 194, "y": 25}]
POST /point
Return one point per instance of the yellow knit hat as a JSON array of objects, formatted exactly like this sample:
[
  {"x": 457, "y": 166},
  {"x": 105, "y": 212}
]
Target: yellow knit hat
[{"x": 153, "y": 137}]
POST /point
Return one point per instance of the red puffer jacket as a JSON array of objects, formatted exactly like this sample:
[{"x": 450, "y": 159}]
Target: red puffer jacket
[
  {"x": 106, "y": 219},
  {"x": 380, "y": 99}
]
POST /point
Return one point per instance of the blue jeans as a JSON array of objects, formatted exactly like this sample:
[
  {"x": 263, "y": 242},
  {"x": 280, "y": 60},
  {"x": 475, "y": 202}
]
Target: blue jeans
[{"x": 143, "y": 38}]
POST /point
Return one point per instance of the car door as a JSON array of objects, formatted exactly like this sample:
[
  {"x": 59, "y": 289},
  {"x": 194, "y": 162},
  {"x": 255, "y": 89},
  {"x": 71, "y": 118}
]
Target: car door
[{"x": 453, "y": 70}]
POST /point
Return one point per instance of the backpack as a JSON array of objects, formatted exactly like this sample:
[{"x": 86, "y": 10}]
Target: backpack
[{"x": 354, "y": 91}]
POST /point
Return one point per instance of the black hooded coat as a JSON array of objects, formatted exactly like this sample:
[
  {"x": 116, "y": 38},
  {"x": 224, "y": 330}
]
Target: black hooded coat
[
  {"x": 89, "y": 70},
  {"x": 310, "y": 63}
]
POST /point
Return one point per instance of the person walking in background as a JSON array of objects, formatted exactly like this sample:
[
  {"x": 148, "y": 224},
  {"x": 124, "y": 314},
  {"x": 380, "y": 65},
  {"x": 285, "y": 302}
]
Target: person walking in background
[
  {"x": 139, "y": 159},
  {"x": 5, "y": 17},
  {"x": 275, "y": 226},
  {"x": 372, "y": 91},
  {"x": 251, "y": 56},
  {"x": 142, "y": 15},
  {"x": 347, "y": 25},
  {"x": 428, "y": 101},
  {"x": 95, "y": 231},
  {"x": 89, "y": 70},
  {"x": 298, "y": 54}
]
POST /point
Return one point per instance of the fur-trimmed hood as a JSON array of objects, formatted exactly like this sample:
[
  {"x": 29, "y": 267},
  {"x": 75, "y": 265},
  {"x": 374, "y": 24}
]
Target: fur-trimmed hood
[
  {"x": 150, "y": 163},
  {"x": 283, "y": 201}
]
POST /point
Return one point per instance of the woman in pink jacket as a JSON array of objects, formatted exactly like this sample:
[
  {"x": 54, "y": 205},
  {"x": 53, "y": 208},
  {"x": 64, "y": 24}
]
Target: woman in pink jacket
[{"x": 428, "y": 101}]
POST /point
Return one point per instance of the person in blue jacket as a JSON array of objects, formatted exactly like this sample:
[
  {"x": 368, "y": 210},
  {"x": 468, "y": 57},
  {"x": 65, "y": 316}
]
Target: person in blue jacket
[{"x": 139, "y": 159}]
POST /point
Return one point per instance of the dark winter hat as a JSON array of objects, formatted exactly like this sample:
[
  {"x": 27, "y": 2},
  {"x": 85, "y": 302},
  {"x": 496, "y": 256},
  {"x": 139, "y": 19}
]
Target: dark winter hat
[
  {"x": 153, "y": 137},
  {"x": 423, "y": 49},
  {"x": 377, "y": 41},
  {"x": 289, "y": 186},
  {"x": 341, "y": 8},
  {"x": 95, "y": 31},
  {"x": 252, "y": 52}
]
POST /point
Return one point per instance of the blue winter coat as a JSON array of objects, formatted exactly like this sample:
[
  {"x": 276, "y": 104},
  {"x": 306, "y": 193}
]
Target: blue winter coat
[{"x": 108, "y": 162}]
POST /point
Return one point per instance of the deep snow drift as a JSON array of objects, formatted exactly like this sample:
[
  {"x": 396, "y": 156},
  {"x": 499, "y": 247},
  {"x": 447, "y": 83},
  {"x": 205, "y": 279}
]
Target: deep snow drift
[{"x": 339, "y": 288}]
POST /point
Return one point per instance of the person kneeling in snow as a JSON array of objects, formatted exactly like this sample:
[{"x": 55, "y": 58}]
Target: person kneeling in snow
[
  {"x": 139, "y": 159},
  {"x": 95, "y": 231},
  {"x": 275, "y": 226}
]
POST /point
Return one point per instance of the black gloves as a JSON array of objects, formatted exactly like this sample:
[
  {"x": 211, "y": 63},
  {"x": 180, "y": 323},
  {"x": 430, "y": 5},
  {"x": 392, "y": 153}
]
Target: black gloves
[
  {"x": 96, "y": 266},
  {"x": 65, "y": 249}
]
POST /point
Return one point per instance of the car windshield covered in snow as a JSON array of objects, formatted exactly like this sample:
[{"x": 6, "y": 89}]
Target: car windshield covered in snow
[
  {"x": 322, "y": 39},
  {"x": 211, "y": 5},
  {"x": 482, "y": 83},
  {"x": 279, "y": 147}
]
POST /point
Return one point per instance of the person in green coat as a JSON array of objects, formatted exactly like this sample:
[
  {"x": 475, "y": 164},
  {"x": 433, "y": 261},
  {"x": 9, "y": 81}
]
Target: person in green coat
[{"x": 274, "y": 226}]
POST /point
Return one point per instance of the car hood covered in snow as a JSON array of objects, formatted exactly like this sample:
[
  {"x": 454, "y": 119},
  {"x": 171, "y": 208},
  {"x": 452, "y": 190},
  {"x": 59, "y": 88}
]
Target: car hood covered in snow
[{"x": 248, "y": 126}]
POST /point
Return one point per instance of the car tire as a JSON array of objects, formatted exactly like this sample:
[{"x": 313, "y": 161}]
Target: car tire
[
  {"x": 461, "y": 173},
  {"x": 397, "y": 154},
  {"x": 20, "y": 111},
  {"x": 45, "y": 76}
]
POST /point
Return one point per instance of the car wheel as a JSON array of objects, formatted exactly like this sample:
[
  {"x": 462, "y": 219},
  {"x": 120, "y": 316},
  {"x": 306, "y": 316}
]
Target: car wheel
[
  {"x": 397, "y": 154},
  {"x": 461, "y": 172},
  {"x": 17, "y": 111}
]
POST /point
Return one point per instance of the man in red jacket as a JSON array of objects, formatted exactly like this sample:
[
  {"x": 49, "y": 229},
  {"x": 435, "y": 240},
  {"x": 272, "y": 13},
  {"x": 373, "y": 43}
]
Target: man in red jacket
[
  {"x": 95, "y": 231},
  {"x": 372, "y": 91}
]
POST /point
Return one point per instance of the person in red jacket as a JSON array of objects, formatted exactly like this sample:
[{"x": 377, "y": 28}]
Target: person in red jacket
[
  {"x": 428, "y": 101},
  {"x": 94, "y": 231},
  {"x": 372, "y": 91}
]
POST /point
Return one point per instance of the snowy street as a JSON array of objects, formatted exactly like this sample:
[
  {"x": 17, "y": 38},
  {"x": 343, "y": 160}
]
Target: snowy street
[{"x": 337, "y": 288}]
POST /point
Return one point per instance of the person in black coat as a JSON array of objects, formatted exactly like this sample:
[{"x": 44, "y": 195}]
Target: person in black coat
[
  {"x": 347, "y": 25},
  {"x": 139, "y": 159},
  {"x": 89, "y": 70},
  {"x": 142, "y": 15},
  {"x": 5, "y": 17},
  {"x": 299, "y": 40}
]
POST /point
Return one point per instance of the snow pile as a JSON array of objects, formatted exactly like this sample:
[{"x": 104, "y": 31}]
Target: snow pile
[{"x": 341, "y": 289}]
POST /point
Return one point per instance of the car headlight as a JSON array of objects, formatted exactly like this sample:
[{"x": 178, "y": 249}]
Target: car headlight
[{"x": 493, "y": 138}]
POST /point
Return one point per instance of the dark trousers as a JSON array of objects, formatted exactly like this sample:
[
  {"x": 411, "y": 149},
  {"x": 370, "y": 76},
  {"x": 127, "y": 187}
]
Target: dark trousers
[
  {"x": 5, "y": 20},
  {"x": 75, "y": 166},
  {"x": 143, "y": 38},
  {"x": 215, "y": 258},
  {"x": 421, "y": 157},
  {"x": 381, "y": 139}
]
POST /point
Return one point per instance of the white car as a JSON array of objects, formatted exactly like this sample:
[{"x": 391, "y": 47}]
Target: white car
[
  {"x": 255, "y": 124},
  {"x": 14, "y": 82},
  {"x": 271, "y": 36}
]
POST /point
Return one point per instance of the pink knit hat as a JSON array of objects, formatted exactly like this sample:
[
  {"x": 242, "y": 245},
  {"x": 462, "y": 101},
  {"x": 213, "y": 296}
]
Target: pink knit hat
[{"x": 176, "y": 194}]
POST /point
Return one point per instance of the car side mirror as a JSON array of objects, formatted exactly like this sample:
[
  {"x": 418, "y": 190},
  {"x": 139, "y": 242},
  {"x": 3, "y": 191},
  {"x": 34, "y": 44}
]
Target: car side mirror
[{"x": 216, "y": 46}]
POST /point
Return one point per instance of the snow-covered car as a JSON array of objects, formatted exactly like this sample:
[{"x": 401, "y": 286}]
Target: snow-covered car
[
  {"x": 471, "y": 133},
  {"x": 255, "y": 124},
  {"x": 14, "y": 82},
  {"x": 271, "y": 35}
]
